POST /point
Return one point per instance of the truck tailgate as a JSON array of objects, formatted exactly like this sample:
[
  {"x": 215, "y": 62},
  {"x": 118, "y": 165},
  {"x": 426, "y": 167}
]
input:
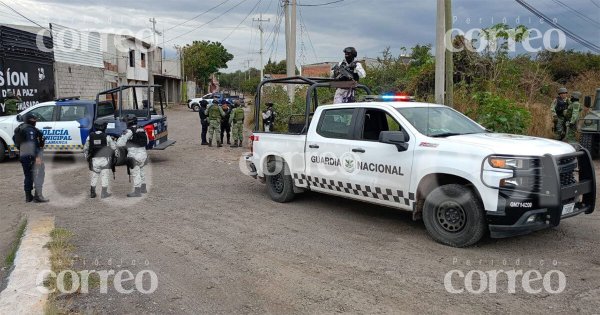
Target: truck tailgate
[{"x": 289, "y": 147}]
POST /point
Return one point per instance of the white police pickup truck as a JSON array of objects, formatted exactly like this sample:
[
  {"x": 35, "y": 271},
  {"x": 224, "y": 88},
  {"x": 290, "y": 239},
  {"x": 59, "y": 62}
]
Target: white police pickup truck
[{"x": 462, "y": 180}]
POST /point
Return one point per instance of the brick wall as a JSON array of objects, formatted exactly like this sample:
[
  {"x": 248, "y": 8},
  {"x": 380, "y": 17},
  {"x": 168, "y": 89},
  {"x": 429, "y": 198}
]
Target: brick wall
[{"x": 77, "y": 80}]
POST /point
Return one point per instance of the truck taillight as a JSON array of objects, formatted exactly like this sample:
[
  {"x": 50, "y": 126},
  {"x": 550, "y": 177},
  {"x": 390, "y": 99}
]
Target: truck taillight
[
  {"x": 252, "y": 139},
  {"x": 150, "y": 132}
]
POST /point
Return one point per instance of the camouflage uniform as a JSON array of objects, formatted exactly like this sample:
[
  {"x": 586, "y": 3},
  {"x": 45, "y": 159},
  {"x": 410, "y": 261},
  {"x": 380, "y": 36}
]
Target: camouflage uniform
[
  {"x": 237, "y": 121},
  {"x": 214, "y": 113},
  {"x": 572, "y": 116},
  {"x": 558, "y": 115},
  {"x": 11, "y": 106}
]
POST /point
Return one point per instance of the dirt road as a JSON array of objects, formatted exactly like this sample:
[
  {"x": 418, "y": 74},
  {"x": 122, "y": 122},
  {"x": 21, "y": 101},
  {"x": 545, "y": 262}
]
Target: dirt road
[{"x": 218, "y": 244}]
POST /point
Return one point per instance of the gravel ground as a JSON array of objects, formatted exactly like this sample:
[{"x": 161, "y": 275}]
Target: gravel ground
[{"x": 218, "y": 244}]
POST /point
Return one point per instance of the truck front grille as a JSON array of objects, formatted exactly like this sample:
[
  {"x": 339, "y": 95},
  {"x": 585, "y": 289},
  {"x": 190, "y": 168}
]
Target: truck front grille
[{"x": 567, "y": 169}]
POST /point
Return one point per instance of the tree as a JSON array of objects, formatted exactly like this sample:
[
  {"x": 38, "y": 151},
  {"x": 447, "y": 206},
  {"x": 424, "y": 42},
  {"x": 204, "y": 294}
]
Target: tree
[
  {"x": 203, "y": 58},
  {"x": 277, "y": 67}
]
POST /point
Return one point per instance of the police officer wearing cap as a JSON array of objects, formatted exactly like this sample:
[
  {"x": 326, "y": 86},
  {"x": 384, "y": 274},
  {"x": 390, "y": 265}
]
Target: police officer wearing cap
[{"x": 30, "y": 142}]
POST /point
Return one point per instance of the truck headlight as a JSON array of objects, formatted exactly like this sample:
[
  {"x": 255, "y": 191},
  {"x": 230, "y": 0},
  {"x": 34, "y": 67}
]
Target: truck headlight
[{"x": 508, "y": 163}]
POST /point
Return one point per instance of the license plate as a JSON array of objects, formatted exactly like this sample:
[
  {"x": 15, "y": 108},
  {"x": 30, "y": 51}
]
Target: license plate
[{"x": 568, "y": 208}]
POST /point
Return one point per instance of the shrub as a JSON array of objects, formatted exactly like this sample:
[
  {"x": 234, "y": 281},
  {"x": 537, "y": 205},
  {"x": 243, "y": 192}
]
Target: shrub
[{"x": 500, "y": 115}]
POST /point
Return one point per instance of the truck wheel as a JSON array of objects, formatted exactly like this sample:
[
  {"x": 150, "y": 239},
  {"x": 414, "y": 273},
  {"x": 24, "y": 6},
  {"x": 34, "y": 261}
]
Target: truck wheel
[
  {"x": 454, "y": 216},
  {"x": 3, "y": 156},
  {"x": 196, "y": 107},
  {"x": 280, "y": 186},
  {"x": 588, "y": 142}
]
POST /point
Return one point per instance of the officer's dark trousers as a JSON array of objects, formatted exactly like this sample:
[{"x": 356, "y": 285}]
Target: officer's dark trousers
[
  {"x": 34, "y": 174},
  {"x": 225, "y": 127},
  {"x": 204, "y": 131}
]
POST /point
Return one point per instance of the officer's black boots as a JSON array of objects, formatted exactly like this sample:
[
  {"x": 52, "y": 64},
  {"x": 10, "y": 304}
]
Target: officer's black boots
[
  {"x": 228, "y": 140},
  {"x": 143, "y": 189},
  {"x": 92, "y": 191},
  {"x": 39, "y": 197},
  {"x": 28, "y": 196},
  {"x": 104, "y": 193},
  {"x": 137, "y": 192}
]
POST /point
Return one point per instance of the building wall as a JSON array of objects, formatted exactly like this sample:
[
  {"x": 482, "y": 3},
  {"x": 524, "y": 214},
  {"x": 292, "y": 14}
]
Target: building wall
[
  {"x": 78, "y": 80},
  {"x": 317, "y": 70}
]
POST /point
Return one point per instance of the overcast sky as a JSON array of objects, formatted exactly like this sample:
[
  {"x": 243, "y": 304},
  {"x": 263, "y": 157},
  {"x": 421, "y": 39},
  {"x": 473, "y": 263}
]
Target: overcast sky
[{"x": 322, "y": 30}]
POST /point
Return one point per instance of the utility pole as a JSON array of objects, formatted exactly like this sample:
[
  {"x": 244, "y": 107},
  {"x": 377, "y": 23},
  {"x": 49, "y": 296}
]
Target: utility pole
[
  {"x": 290, "y": 40},
  {"x": 440, "y": 56},
  {"x": 248, "y": 68},
  {"x": 260, "y": 28},
  {"x": 150, "y": 54},
  {"x": 449, "y": 60}
]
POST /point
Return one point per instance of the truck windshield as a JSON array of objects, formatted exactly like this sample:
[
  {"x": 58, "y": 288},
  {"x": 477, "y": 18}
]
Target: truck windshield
[{"x": 439, "y": 121}]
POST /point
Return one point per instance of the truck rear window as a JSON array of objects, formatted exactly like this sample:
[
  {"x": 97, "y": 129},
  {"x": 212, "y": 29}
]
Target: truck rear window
[
  {"x": 106, "y": 109},
  {"x": 336, "y": 123}
]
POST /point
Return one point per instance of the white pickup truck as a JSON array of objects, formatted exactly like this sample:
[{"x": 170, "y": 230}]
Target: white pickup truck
[{"x": 462, "y": 180}]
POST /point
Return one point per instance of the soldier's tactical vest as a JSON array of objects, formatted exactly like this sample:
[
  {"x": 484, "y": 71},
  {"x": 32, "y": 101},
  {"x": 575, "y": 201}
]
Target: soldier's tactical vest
[
  {"x": 214, "y": 113},
  {"x": 561, "y": 106},
  {"x": 238, "y": 115},
  {"x": 99, "y": 146},
  {"x": 139, "y": 139}
]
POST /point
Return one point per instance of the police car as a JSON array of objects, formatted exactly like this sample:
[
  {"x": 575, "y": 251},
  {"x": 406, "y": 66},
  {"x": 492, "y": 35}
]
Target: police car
[
  {"x": 67, "y": 122},
  {"x": 462, "y": 180}
]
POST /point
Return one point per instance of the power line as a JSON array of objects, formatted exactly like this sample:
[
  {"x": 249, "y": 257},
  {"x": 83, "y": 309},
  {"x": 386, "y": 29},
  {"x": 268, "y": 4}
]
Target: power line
[
  {"x": 598, "y": 5},
  {"x": 249, "y": 13},
  {"x": 275, "y": 33},
  {"x": 308, "y": 35},
  {"x": 573, "y": 36},
  {"x": 585, "y": 17},
  {"x": 28, "y": 19},
  {"x": 197, "y": 16},
  {"x": 318, "y": 5},
  {"x": 210, "y": 21}
]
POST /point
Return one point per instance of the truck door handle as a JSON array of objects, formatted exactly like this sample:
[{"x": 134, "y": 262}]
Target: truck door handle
[
  {"x": 313, "y": 146},
  {"x": 47, "y": 127},
  {"x": 358, "y": 150}
]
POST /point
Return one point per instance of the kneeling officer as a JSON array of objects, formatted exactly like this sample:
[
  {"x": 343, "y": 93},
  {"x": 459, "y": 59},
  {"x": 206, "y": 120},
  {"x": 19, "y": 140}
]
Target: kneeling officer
[{"x": 99, "y": 150}]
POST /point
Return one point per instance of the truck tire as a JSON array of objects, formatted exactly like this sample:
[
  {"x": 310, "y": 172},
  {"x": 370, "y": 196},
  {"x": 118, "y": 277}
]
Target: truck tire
[
  {"x": 3, "y": 156},
  {"x": 454, "y": 216},
  {"x": 590, "y": 142},
  {"x": 196, "y": 107},
  {"x": 280, "y": 186}
]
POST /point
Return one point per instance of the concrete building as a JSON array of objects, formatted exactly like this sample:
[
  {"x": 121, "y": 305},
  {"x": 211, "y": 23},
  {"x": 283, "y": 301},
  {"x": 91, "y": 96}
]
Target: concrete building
[{"x": 167, "y": 73}]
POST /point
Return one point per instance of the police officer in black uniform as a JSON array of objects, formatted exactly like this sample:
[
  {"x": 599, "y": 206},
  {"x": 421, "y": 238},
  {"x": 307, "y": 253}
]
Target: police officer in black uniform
[
  {"x": 203, "y": 120},
  {"x": 30, "y": 142}
]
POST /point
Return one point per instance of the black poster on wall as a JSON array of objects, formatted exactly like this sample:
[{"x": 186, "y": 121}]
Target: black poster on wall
[{"x": 32, "y": 82}]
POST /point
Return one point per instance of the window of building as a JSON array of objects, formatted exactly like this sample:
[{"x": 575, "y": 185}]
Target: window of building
[
  {"x": 132, "y": 58},
  {"x": 143, "y": 60}
]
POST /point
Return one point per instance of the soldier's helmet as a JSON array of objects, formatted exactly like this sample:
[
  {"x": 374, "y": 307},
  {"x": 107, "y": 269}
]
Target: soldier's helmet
[
  {"x": 350, "y": 51},
  {"x": 562, "y": 90},
  {"x": 100, "y": 126},
  {"x": 576, "y": 95}
]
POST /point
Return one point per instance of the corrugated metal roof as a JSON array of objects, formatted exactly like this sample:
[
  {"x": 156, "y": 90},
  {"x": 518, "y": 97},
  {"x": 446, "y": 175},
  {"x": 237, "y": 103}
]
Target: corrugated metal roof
[
  {"x": 21, "y": 45},
  {"x": 76, "y": 47}
]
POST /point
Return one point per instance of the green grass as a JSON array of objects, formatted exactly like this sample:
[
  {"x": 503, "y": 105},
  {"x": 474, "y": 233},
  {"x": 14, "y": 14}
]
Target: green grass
[{"x": 12, "y": 254}]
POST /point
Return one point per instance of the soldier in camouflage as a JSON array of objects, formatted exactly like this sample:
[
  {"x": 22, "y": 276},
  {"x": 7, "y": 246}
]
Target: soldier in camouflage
[
  {"x": 237, "y": 121},
  {"x": 11, "y": 103},
  {"x": 98, "y": 150},
  {"x": 572, "y": 116},
  {"x": 558, "y": 108},
  {"x": 215, "y": 114}
]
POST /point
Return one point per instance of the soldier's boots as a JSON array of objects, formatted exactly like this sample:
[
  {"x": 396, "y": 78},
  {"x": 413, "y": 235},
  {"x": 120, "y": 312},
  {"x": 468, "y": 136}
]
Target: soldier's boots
[
  {"x": 137, "y": 192},
  {"x": 92, "y": 191},
  {"x": 143, "y": 189},
  {"x": 28, "y": 196},
  {"x": 210, "y": 142},
  {"x": 39, "y": 197},
  {"x": 235, "y": 144},
  {"x": 219, "y": 144},
  {"x": 104, "y": 193}
]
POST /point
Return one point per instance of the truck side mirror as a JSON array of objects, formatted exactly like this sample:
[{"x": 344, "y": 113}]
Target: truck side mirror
[
  {"x": 19, "y": 118},
  {"x": 587, "y": 101},
  {"x": 397, "y": 138}
]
